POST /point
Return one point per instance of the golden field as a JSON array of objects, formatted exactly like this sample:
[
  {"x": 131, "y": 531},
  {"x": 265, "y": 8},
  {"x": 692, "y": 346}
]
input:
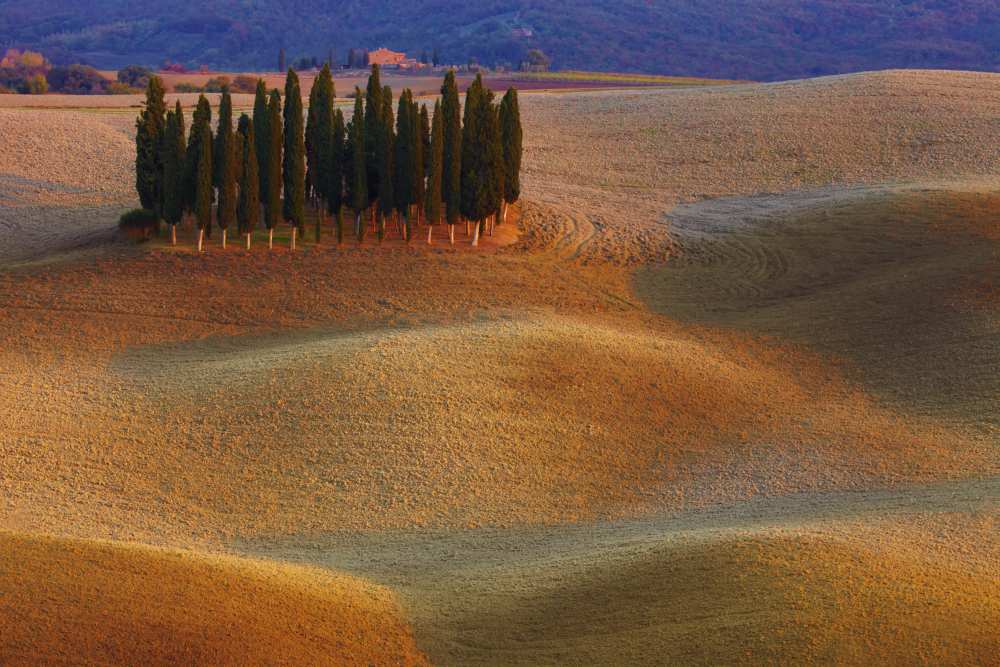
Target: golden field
[{"x": 723, "y": 391}]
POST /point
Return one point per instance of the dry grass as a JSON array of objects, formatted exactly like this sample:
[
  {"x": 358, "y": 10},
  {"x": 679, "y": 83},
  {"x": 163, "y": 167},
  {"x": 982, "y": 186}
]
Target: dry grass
[
  {"x": 550, "y": 457},
  {"x": 81, "y": 602}
]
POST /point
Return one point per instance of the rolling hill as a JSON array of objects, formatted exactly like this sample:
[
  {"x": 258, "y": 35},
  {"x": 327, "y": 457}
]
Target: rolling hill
[{"x": 742, "y": 39}]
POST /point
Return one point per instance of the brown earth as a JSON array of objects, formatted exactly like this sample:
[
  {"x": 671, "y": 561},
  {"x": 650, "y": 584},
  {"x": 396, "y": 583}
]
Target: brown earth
[
  {"x": 555, "y": 449},
  {"x": 84, "y": 602}
]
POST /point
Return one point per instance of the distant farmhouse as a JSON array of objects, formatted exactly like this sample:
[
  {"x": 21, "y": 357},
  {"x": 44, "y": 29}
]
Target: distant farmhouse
[{"x": 384, "y": 58}]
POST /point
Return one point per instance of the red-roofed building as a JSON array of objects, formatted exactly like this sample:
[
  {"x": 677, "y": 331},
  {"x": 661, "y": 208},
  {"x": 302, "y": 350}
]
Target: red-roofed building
[{"x": 384, "y": 57}]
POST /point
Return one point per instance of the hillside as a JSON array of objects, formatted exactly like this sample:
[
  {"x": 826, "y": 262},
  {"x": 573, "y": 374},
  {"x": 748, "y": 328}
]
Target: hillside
[{"x": 744, "y": 39}]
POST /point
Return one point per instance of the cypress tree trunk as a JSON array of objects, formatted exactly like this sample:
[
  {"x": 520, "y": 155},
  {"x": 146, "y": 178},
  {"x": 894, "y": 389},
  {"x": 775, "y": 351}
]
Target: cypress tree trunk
[
  {"x": 224, "y": 230},
  {"x": 248, "y": 240},
  {"x": 173, "y": 234},
  {"x": 294, "y": 230},
  {"x": 358, "y": 226},
  {"x": 201, "y": 237},
  {"x": 467, "y": 231},
  {"x": 475, "y": 233},
  {"x": 270, "y": 238},
  {"x": 430, "y": 234},
  {"x": 451, "y": 234}
]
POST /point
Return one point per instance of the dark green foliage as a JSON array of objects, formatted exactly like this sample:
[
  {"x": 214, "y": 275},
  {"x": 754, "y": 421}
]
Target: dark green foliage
[
  {"x": 248, "y": 209},
  {"x": 386, "y": 148},
  {"x": 149, "y": 129},
  {"x": 357, "y": 176},
  {"x": 294, "y": 164},
  {"x": 319, "y": 132},
  {"x": 274, "y": 161},
  {"x": 135, "y": 76},
  {"x": 425, "y": 135},
  {"x": 173, "y": 151},
  {"x": 335, "y": 164},
  {"x": 77, "y": 80},
  {"x": 511, "y": 136},
  {"x": 405, "y": 157},
  {"x": 139, "y": 222},
  {"x": 222, "y": 152},
  {"x": 451, "y": 165},
  {"x": 435, "y": 168},
  {"x": 225, "y": 160},
  {"x": 201, "y": 119},
  {"x": 417, "y": 138},
  {"x": 204, "y": 190},
  {"x": 262, "y": 137},
  {"x": 482, "y": 154},
  {"x": 373, "y": 120}
]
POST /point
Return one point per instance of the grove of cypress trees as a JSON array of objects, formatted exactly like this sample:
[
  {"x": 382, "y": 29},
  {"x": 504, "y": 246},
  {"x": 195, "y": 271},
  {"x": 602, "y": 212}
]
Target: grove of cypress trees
[
  {"x": 335, "y": 172},
  {"x": 149, "y": 130},
  {"x": 201, "y": 120},
  {"x": 204, "y": 191},
  {"x": 224, "y": 161},
  {"x": 357, "y": 177},
  {"x": 451, "y": 165},
  {"x": 511, "y": 135},
  {"x": 386, "y": 147},
  {"x": 272, "y": 211},
  {"x": 173, "y": 170},
  {"x": 248, "y": 209},
  {"x": 294, "y": 164},
  {"x": 261, "y": 136},
  {"x": 435, "y": 169}
]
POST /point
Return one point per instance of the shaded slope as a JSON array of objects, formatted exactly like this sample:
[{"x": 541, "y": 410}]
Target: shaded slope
[
  {"x": 905, "y": 286},
  {"x": 79, "y": 602}
]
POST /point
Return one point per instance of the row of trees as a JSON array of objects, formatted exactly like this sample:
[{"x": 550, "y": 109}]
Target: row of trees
[{"x": 390, "y": 165}]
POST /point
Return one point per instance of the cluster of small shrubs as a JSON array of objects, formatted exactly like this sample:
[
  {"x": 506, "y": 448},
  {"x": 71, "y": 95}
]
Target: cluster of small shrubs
[
  {"x": 139, "y": 223},
  {"x": 219, "y": 84}
]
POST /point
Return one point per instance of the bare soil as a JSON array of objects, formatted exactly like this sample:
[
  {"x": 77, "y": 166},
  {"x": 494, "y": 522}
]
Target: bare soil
[{"x": 778, "y": 444}]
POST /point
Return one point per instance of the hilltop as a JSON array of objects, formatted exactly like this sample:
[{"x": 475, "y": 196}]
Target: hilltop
[{"x": 741, "y": 39}]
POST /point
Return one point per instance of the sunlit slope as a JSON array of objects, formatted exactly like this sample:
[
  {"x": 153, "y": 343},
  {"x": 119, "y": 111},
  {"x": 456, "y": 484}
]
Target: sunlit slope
[
  {"x": 903, "y": 285},
  {"x": 529, "y": 419},
  {"x": 81, "y": 602},
  {"x": 780, "y": 599}
]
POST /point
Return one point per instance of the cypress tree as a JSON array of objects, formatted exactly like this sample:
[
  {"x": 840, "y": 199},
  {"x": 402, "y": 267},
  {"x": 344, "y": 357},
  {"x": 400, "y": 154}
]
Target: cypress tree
[
  {"x": 435, "y": 169},
  {"x": 222, "y": 151},
  {"x": 294, "y": 165},
  {"x": 319, "y": 135},
  {"x": 511, "y": 137},
  {"x": 481, "y": 156},
  {"x": 261, "y": 136},
  {"x": 419, "y": 171},
  {"x": 248, "y": 210},
  {"x": 149, "y": 130},
  {"x": 204, "y": 190},
  {"x": 272, "y": 211},
  {"x": 405, "y": 161},
  {"x": 173, "y": 170},
  {"x": 386, "y": 147},
  {"x": 224, "y": 162},
  {"x": 357, "y": 177},
  {"x": 451, "y": 165},
  {"x": 425, "y": 134},
  {"x": 336, "y": 159},
  {"x": 201, "y": 120},
  {"x": 373, "y": 121}
]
